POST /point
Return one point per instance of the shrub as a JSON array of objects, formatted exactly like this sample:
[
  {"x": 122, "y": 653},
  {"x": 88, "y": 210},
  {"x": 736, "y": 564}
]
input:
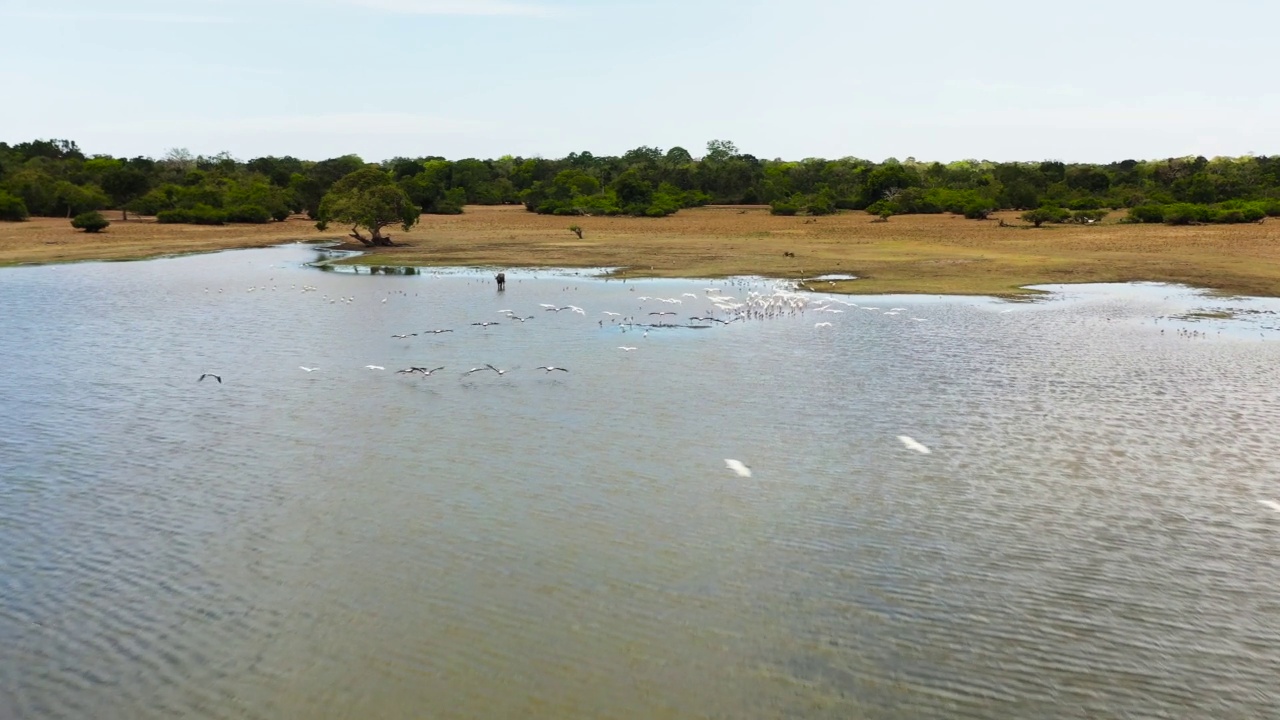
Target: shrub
[
  {"x": 1271, "y": 208},
  {"x": 1146, "y": 214},
  {"x": 1085, "y": 217},
  {"x": 1229, "y": 217},
  {"x": 1045, "y": 214},
  {"x": 1253, "y": 213},
  {"x": 280, "y": 214},
  {"x": 784, "y": 207},
  {"x": 91, "y": 221},
  {"x": 977, "y": 210},
  {"x": 821, "y": 204},
  {"x": 1086, "y": 203},
  {"x": 1186, "y": 214},
  {"x": 198, "y": 215},
  {"x": 248, "y": 214},
  {"x": 12, "y": 209}
]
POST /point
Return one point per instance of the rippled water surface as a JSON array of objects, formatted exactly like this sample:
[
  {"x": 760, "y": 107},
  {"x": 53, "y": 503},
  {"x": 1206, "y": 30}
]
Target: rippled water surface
[{"x": 1088, "y": 537}]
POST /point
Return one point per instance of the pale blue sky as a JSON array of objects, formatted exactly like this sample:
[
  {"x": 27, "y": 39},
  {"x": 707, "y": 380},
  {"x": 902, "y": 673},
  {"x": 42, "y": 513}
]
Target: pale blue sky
[{"x": 1089, "y": 80}]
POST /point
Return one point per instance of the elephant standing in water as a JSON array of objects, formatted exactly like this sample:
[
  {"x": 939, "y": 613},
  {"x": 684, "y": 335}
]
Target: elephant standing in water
[{"x": 502, "y": 281}]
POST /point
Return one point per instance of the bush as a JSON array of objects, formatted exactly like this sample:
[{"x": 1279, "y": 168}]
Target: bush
[
  {"x": 198, "y": 215},
  {"x": 1229, "y": 217},
  {"x": 1045, "y": 214},
  {"x": 248, "y": 214},
  {"x": 280, "y": 214},
  {"x": 977, "y": 210},
  {"x": 1271, "y": 208},
  {"x": 1253, "y": 213},
  {"x": 821, "y": 204},
  {"x": 784, "y": 207},
  {"x": 1186, "y": 214},
  {"x": 1146, "y": 214},
  {"x": 91, "y": 221},
  {"x": 1085, "y": 217},
  {"x": 12, "y": 209}
]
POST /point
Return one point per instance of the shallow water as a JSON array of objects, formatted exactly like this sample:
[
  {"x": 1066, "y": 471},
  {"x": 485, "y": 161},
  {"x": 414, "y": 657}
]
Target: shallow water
[{"x": 1086, "y": 539}]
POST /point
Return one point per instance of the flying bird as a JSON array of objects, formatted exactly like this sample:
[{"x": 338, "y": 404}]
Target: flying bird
[
  {"x": 1271, "y": 504},
  {"x": 374, "y": 367},
  {"x": 624, "y": 347},
  {"x": 911, "y": 444},
  {"x": 401, "y": 337},
  {"x": 611, "y": 314},
  {"x": 484, "y": 324},
  {"x": 822, "y": 324},
  {"x": 436, "y": 332},
  {"x": 426, "y": 372},
  {"x": 738, "y": 467},
  {"x": 301, "y": 367},
  {"x": 215, "y": 377},
  {"x": 475, "y": 370},
  {"x": 500, "y": 372},
  {"x": 549, "y": 368}
]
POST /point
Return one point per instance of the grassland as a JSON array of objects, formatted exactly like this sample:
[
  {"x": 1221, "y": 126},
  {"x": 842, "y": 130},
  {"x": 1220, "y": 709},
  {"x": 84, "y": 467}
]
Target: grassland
[{"x": 909, "y": 254}]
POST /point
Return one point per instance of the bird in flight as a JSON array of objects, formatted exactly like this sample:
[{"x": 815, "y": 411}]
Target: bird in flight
[
  {"x": 401, "y": 337},
  {"x": 822, "y": 324},
  {"x": 215, "y": 377},
  {"x": 738, "y": 467},
  {"x": 548, "y": 306},
  {"x": 500, "y": 372},
  {"x": 436, "y": 332},
  {"x": 662, "y": 313},
  {"x": 611, "y": 314},
  {"x": 549, "y": 368},
  {"x": 475, "y": 370},
  {"x": 426, "y": 372},
  {"x": 484, "y": 324},
  {"x": 374, "y": 367},
  {"x": 302, "y": 367},
  {"x": 624, "y": 347},
  {"x": 911, "y": 444}
]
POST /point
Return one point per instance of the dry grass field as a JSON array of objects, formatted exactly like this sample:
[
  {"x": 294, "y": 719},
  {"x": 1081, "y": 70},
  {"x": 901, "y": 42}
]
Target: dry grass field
[{"x": 909, "y": 254}]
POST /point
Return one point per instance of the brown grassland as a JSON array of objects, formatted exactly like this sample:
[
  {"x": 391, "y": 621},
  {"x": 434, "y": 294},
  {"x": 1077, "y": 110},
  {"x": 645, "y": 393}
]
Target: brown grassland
[{"x": 937, "y": 254}]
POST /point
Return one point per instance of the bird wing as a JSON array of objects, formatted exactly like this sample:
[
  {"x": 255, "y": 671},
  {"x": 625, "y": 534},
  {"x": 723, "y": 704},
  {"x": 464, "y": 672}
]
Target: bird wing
[{"x": 738, "y": 467}]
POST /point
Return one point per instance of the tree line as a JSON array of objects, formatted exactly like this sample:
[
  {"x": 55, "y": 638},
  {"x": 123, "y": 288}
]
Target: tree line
[{"x": 56, "y": 178}]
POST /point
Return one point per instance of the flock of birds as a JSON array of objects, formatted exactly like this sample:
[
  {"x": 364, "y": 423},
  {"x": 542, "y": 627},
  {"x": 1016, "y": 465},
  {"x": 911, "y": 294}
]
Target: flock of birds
[{"x": 715, "y": 308}]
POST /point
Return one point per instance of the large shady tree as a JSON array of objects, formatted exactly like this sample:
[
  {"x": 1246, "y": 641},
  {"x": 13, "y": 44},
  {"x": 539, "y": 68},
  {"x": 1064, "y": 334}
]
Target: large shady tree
[{"x": 367, "y": 199}]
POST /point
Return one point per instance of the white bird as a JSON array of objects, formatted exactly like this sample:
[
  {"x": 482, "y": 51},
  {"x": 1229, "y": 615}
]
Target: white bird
[
  {"x": 426, "y": 372},
  {"x": 822, "y": 324},
  {"x": 549, "y": 368},
  {"x": 401, "y": 337},
  {"x": 374, "y": 367},
  {"x": 506, "y": 311},
  {"x": 911, "y": 444},
  {"x": 695, "y": 297},
  {"x": 738, "y": 467},
  {"x": 475, "y": 370},
  {"x": 624, "y": 347},
  {"x": 548, "y": 306},
  {"x": 436, "y": 332},
  {"x": 300, "y": 367},
  {"x": 500, "y": 372},
  {"x": 209, "y": 374},
  {"x": 485, "y": 324},
  {"x": 1271, "y": 504},
  {"x": 611, "y": 314}
]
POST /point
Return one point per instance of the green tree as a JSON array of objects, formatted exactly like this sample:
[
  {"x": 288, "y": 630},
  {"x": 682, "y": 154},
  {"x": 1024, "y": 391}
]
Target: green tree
[
  {"x": 367, "y": 199},
  {"x": 12, "y": 209},
  {"x": 90, "y": 222},
  {"x": 124, "y": 184}
]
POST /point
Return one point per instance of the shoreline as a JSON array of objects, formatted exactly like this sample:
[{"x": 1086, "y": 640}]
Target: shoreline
[{"x": 911, "y": 254}]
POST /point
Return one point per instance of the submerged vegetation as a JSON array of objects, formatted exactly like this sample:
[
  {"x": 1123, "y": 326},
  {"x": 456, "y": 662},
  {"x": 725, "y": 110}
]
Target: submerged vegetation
[{"x": 55, "y": 178}]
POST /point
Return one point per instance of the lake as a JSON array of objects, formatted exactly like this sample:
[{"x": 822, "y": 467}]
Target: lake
[{"x": 1090, "y": 535}]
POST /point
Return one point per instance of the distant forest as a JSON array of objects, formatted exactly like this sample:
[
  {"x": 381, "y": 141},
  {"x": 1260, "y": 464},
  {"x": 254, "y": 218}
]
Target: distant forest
[{"x": 56, "y": 178}]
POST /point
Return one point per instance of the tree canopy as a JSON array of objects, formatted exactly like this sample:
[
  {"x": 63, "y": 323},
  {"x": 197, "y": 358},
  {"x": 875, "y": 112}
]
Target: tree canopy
[
  {"x": 368, "y": 199},
  {"x": 57, "y": 178}
]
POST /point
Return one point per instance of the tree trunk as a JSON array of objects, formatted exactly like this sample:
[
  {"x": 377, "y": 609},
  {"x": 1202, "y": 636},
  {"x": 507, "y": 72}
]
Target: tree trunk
[
  {"x": 355, "y": 233},
  {"x": 124, "y": 214}
]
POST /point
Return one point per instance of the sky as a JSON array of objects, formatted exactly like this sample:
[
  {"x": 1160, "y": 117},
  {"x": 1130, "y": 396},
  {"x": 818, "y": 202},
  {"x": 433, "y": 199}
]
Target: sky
[{"x": 1086, "y": 81}]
